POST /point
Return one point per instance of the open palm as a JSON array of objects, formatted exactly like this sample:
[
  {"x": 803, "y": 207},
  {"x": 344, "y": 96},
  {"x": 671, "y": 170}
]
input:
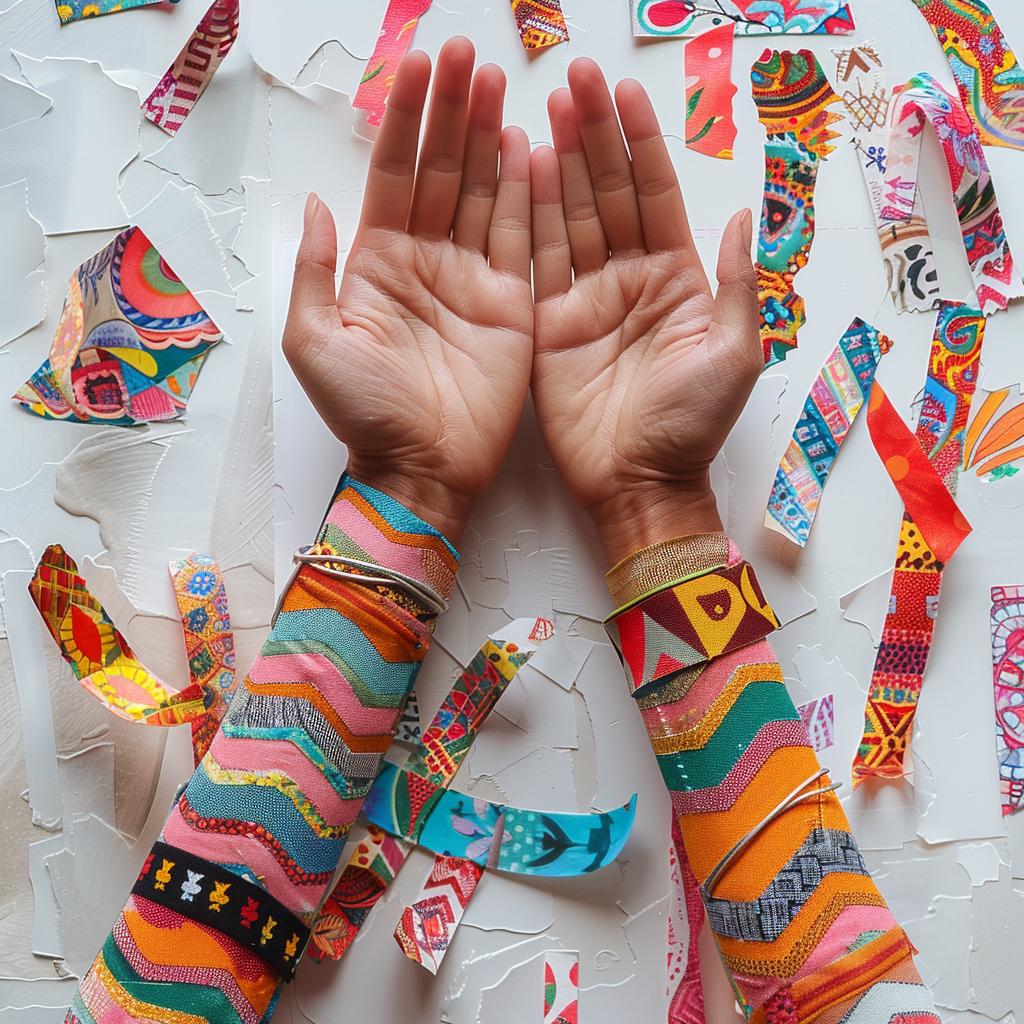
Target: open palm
[
  {"x": 422, "y": 361},
  {"x": 639, "y": 372}
]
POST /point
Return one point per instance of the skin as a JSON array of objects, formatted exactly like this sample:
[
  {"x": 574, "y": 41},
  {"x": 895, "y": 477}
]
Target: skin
[{"x": 422, "y": 361}]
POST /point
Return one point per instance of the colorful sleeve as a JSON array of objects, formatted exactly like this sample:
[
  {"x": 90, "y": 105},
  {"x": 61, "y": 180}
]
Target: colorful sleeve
[
  {"x": 801, "y": 927},
  {"x": 220, "y": 913}
]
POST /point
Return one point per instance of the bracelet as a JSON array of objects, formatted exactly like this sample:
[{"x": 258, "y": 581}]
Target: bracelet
[{"x": 797, "y": 796}]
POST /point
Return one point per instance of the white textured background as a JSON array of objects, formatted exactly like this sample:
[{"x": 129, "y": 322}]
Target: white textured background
[{"x": 222, "y": 202}]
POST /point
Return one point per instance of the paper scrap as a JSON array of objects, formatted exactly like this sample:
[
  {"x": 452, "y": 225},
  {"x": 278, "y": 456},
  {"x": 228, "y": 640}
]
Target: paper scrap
[
  {"x": 540, "y": 23},
  {"x": 685, "y": 989},
  {"x": 837, "y": 395},
  {"x": 187, "y": 78},
  {"x": 747, "y": 17},
  {"x": 993, "y": 446},
  {"x": 129, "y": 345},
  {"x": 793, "y": 100},
  {"x": 561, "y": 986},
  {"x": 707, "y": 60},
  {"x": 818, "y": 717},
  {"x": 76, "y": 10},
  {"x": 1008, "y": 686}
]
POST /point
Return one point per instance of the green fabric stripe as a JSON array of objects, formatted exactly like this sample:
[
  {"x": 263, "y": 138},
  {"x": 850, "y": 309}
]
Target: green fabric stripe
[{"x": 759, "y": 703}]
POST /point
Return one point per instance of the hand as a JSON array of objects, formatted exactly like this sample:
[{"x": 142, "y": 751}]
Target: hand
[
  {"x": 421, "y": 364},
  {"x": 639, "y": 372}
]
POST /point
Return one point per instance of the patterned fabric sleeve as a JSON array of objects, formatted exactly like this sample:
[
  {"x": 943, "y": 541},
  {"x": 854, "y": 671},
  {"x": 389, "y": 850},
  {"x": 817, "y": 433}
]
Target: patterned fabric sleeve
[
  {"x": 800, "y": 925},
  {"x": 222, "y": 907}
]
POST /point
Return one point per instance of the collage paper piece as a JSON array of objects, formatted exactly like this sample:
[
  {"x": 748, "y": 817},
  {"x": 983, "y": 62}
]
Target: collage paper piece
[
  {"x": 988, "y": 77},
  {"x": 76, "y": 10},
  {"x": 1008, "y": 685},
  {"x": 396, "y": 34},
  {"x": 906, "y": 246},
  {"x": 186, "y": 79},
  {"x": 685, "y": 990},
  {"x": 667, "y": 18},
  {"x": 130, "y": 343},
  {"x": 793, "y": 100},
  {"x": 818, "y": 717},
  {"x": 837, "y": 395},
  {"x": 540, "y": 23},
  {"x": 561, "y": 986},
  {"x": 993, "y": 445},
  {"x": 707, "y": 60}
]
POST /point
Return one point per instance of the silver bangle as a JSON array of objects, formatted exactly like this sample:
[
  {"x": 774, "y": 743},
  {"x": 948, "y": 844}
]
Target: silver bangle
[{"x": 797, "y": 796}]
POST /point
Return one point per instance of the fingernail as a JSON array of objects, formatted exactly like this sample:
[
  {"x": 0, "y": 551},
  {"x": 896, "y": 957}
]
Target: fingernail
[{"x": 312, "y": 202}]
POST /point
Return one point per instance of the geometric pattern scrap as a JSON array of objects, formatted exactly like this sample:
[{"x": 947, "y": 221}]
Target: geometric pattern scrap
[
  {"x": 666, "y": 18},
  {"x": 837, "y": 395},
  {"x": 1008, "y": 687},
  {"x": 689, "y": 623},
  {"x": 793, "y": 100},
  {"x": 707, "y": 59},
  {"x": 540, "y": 23},
  {"x": 818, "y": 717},
  {"x": 426, "y": 928},
  {"x": 988, "y": 77},
  {"x": 561, "y": 986},
  {"x": 76, "y": 10},
  {"x": 902, "y": 656},
  {"x": 129, "y": 345},
  {"x": 266, "y": 804},
  {"x": 186, "y": 79}
]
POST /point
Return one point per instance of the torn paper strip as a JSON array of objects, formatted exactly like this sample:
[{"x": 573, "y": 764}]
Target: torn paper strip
[
  {"x": 707, "y": 60},
  {"x": 561, "y": 986},
  {"x": 1008, "y": 685},
  {"x": 818, "y": 717},
  {"x": 76, "y": 10},
  {"x": 540, "y": 23},
  {"x": 664, "y": 18}
]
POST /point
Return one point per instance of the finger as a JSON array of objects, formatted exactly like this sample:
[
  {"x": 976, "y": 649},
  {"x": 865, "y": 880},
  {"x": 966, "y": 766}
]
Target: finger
[
  {"x": 389, "y": 182},
  {"x": 439, "y": 174},
  {"x": 607, "y": 157},
  {"x": 480, "y": 168},
  {"x": 552, "y": 257},
  {"x": 315, "y": 264},
  {"x": 508, "y": 241},
  {"x": 583, "y": 222},
  {"x": 659, "y": 197},
  {"x": 734, "y": 334}
]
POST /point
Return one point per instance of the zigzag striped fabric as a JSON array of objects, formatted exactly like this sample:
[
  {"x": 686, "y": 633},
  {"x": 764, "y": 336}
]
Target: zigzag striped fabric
[
  {"x": 275, "y": 796},
  {"x": 799, "y": 923}
]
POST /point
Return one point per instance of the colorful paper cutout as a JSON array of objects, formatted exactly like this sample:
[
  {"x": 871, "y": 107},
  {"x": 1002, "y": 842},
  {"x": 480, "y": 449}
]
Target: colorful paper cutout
[
  {"x": 988, "y": 445},
  {"x": 818, "y": 717},
  {"x": 914, "y": 599},
  {"x": 561, "y": 986},
  {"x": 988, "y": 77},
  {"x": 130, "y": 343},
  {"x": 393, "y": 42},
  {"x": 841, "y": 388},
  {"x": 922, "y": 490},
  {"x": 77, "y": 10},
  {"x": 709, "y": 91},
  {"x": 186, "y": 79},
  {"x": 540, "y": 23},
  {"x": 686, "y": 1002},
  {"x": 906, "y": 246},
  {"x": 981, "y": 224},
  {"x": 1008, "y": 687},
  {"x": 666, "y": 18},
  {"x": 793, "y": 98}
]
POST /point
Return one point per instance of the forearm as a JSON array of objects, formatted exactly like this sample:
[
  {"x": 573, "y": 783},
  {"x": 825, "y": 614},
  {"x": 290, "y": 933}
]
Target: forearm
[
  {"x": 271, "y": 804},
  {"x": 800, "y": 925}
]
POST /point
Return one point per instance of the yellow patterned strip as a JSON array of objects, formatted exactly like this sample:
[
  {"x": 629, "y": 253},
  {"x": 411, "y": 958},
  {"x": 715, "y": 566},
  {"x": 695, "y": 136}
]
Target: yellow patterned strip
[
  {"x": 698, "y": 735},
  {"x": 167, "y": 708}
]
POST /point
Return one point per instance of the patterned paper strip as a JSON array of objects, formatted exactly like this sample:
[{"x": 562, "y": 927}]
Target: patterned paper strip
[
  {"x": 818, "y": 717},
  {"x": 841, "y": 388},
  {"x": 409, "y": 728},
  {"x": 988, "y": 77},
  {"x": 1008, "y": 686},
  {"x": 393, "y": 44},
  {"x": 130, "y": 342},
  {"x": 186, "y": 80},
  {"x": 906, "y": 246},
  {"x": 914, "y": 600},
  {"x": 709, "y": 91},
  {"x": 981, "y": 224},
  {"x": 561, "y": 986},
  {"x": 933, "y": 509},
  {"x": 993, "y": 446},
  {"x": 686, "y": 1003},
  {"x": 793, "y": 98},
  {"x": 426, "y": 928},
  {"x": 540, "y": 23},
  {"x": 76, "y": 10},
  {"x": 665, "y": 18}
]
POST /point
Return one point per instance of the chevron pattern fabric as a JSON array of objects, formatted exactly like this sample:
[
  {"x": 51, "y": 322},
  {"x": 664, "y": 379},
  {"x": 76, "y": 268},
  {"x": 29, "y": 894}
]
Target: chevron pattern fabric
[
  {"x": 282, "y": 782},
  {"x": 799, "y": 923}
]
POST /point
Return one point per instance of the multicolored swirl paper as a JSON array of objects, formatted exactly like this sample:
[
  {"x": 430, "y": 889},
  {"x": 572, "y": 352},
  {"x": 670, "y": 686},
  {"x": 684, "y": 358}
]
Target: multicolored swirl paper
[
  {"x": 793, "y": 100},
  {"x": 667, "y": 18},
  {"x": 837, "y": 395},
  {"x": 130, "y": 343},
  {"x": 1008, "y": 687},
  {"x": 76, "y": 10}
]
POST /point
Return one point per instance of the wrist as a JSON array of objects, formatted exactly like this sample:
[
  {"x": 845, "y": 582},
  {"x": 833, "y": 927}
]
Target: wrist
[{"x": 640, "y": 516}]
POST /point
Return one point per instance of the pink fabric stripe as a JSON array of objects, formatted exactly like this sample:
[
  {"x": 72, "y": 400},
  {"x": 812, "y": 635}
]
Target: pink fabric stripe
[{"x": 404, "y": 558}]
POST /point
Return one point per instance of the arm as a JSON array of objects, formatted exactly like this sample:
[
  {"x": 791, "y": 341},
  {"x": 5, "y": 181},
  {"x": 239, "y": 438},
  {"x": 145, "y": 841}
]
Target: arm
[
  {"x": 633, "y": 352},
  {"x": 420, "y": 365}
]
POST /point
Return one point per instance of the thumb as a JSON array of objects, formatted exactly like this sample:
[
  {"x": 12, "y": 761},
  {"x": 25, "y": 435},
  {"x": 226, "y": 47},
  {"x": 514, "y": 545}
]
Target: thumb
[
  {"x": 317, "y": 259},
  {"x": 735, "y": 323}
]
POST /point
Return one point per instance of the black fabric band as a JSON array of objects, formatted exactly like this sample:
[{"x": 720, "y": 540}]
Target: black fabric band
[{"x": 209, "y": 894}]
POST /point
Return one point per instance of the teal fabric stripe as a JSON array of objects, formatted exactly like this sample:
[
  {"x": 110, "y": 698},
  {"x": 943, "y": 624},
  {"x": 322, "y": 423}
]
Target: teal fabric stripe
[{"x": 759, "y": 703}]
